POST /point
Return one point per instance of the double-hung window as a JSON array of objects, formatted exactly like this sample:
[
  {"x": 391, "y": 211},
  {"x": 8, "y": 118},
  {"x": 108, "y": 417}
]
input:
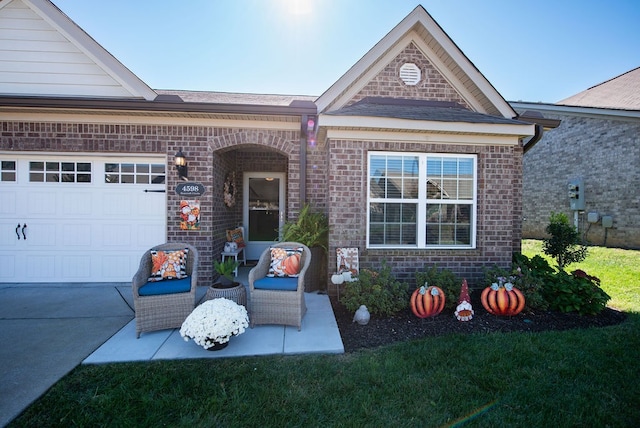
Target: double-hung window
[{"x": 421, "y": 200}]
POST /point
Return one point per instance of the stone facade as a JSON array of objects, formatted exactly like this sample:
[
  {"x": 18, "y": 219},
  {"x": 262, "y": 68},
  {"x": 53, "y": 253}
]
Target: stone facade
[{"x": 603, "y": 150}]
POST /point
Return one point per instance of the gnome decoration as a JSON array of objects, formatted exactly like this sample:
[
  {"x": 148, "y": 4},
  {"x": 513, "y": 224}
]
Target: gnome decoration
[
  {"x": 464, "y": 311},
  {"x": 362, "y": 316}
]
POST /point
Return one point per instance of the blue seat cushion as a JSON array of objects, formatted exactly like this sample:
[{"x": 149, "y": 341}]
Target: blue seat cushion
[
  {"x": 277, "y": 283},
  {"x": 167, "y": 286}
]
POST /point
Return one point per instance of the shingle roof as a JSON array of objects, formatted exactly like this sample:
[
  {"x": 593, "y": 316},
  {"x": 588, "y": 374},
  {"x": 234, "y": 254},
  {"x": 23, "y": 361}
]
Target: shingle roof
[
  {"x": 439, "y": 111},
  {"x": 235, "y": 98},
  {"x": 621, "y": 92}
]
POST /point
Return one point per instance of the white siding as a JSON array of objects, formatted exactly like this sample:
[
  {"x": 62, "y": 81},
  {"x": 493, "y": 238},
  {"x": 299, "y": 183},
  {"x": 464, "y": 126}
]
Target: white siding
[{"x": 37, "y": 59}]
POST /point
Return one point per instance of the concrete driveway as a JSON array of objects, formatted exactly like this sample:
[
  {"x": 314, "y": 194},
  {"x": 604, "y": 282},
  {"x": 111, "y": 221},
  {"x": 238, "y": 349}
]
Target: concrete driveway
[{"x": 46, "y": 330}]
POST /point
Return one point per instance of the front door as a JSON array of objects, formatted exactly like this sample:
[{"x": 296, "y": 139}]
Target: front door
[{"x": 263, "y": 214}]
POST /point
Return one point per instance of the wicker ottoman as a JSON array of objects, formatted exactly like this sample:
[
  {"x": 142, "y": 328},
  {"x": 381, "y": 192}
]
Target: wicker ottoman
[{"x": 238, "y": 294}]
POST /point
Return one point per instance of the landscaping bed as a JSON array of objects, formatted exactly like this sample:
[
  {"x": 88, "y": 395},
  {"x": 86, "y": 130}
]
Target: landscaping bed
[{"x": 406, "y": 326}]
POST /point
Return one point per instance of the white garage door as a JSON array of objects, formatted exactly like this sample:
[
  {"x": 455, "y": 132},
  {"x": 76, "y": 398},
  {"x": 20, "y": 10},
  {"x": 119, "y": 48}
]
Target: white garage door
[{"x": 78, "y": 219}]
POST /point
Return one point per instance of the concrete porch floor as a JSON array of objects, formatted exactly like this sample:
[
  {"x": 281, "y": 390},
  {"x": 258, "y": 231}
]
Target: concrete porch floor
[{"x": 319, "y": 334}]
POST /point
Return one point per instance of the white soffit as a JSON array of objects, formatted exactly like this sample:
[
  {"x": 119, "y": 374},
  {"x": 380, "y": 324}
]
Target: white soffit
[
  {"x": 47, "y": 54},
  {"x": 386, "y": 123}
]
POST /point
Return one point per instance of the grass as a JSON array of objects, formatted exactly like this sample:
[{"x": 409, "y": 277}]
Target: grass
[
  {"x": 618, "y": 270},
  {"x": 570, "y": 378}
]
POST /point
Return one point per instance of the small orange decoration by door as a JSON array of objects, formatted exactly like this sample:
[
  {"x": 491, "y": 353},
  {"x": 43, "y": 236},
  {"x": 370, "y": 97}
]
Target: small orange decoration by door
[
  {"x": 502, "y": 299},
  {"x": 427, "y": 301}
]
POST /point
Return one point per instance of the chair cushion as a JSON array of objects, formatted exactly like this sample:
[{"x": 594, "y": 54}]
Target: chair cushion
[
  {"x": 166, "y": 287},
  {"x": 168, "y": 264},
  {"x": 235, "y": 235},
  {"x": 285, "y": 262},
  {"x": 275, "y": 283}
]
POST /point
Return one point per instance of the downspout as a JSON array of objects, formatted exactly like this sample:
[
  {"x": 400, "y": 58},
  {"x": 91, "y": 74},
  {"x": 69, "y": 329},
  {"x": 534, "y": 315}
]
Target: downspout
[
  {"x": 303, "y": 159},
  {"x": 539, "y": 130}
]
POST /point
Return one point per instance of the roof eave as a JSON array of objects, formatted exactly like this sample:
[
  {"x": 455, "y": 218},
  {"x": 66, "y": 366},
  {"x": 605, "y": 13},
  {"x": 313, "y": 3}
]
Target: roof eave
[
  {"x": 519, "y": 130},
  {"x": 297, "y": 108}
]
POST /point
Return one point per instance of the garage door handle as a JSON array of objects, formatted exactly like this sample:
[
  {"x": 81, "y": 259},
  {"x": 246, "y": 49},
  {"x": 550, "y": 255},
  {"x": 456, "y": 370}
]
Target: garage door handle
[
  {"x": 153, "y": 191},
  {"x": 17, "y": 231},
  {"x": 23, "y": 234}
]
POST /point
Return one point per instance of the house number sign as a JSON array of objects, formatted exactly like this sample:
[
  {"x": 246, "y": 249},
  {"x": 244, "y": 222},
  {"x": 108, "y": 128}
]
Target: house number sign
[{"x": 190, "y": 189}]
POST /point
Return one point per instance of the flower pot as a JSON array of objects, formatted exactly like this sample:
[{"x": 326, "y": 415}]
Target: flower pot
[
  {"x": 237, "y": 292},
  {"x": 218, "y": 346}
]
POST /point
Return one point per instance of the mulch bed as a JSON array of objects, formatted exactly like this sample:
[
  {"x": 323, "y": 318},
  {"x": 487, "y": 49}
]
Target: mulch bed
[{"x": 406, "y": 326}]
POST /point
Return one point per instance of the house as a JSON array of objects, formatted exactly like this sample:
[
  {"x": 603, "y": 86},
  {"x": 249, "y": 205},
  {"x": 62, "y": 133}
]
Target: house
[
  {"x": 413, "y": 155},
  {"x": 596, "y": 144}
]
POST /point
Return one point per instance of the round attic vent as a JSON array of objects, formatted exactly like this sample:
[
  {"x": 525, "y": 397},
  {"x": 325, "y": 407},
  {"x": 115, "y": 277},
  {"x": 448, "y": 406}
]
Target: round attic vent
[{"x": 410, "y": 73}]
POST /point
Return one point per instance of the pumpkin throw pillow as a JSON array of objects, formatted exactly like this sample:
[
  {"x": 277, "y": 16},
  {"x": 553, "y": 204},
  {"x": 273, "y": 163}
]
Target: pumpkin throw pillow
[
  {"x": 235, "y": 235},
  {"x": 168, "y": 264},
  {"x": 285, "y": 262}
]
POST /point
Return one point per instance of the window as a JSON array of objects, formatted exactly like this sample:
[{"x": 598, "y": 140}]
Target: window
[
  {"x": 60, "y": 172},
  {"x": 7, "y": 170},
  {"x": 134, "y": 173},
  {"x": 421, "y": 200}
]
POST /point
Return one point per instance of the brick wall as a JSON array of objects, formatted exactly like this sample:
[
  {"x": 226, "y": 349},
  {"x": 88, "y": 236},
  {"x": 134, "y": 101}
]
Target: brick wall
[
  {"x": 432, "y": 86},
  {"x": 211, "y": 153},
  {"x": 605, "y": 152},
  {"x": 498, "y": 234}
]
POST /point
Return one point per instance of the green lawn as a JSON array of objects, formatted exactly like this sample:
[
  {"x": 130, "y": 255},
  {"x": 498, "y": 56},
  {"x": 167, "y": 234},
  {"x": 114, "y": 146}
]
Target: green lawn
[
  {"x": 559, "y": 379},
  {"x": 619, "y": 271}
]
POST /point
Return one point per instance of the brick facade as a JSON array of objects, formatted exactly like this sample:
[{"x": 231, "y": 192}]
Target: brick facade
[
  {"x": 431, "y": 87},
  {"x": 605, "y": 152},
  {"x": 499, "y": 209},
  {"x": 211, "y": 153}
]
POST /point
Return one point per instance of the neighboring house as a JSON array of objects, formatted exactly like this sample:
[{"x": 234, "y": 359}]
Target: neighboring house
[
  {"x": 598, "y": 141},
  {"x": 413, "y": 155}
]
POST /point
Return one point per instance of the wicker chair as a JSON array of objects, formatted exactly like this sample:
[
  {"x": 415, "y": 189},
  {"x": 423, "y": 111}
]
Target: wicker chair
[
  {"x": 272, "y": 306},
  {"x": 163, "y": 311}
]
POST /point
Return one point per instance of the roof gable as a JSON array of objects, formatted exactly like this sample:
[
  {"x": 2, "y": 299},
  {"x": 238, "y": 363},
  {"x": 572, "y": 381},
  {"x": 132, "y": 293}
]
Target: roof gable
[
  {"x": 621, "y": 92},
  {"x": 46, "y": 54},
  {"x": 419, "y": 34}
]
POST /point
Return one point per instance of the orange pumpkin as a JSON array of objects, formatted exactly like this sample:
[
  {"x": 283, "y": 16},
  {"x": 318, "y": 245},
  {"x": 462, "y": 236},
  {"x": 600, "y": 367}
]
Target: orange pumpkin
[
  {"x": 291, "y": 265},
  {"x": 427, "y": 301},
  {"x": 502, "y": 300}
]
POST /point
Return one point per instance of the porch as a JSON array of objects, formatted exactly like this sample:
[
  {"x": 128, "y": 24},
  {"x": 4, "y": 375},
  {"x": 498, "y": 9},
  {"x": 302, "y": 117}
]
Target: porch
[{"x": 319, "y": 334}]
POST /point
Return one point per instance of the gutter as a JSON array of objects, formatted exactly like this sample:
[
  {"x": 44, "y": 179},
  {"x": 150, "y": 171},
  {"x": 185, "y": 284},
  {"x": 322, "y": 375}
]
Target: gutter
[
  {"x": 163, "y": 104},
  {"x": 541, "y": 124}
]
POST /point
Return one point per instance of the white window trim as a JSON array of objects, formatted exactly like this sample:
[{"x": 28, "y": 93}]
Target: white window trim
[{"x": 422, "y": 201}]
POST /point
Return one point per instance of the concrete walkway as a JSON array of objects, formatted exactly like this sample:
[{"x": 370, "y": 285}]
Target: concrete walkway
[{"x": 46, "y": 330}]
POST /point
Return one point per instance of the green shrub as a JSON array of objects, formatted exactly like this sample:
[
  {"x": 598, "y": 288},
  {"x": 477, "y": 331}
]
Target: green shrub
[
  {"x": 575, "y": 292},
  {"x": 530, "y": 276},
  {"x": 564, "y": 244},
  {"x": 443, "y": 278},
  {"x": 379, "y": 291}
]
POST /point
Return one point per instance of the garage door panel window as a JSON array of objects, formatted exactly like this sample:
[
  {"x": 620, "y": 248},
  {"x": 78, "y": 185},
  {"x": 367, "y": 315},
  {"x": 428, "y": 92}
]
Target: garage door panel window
[
  {"x": 421, "y": 200},
  {"x": 8, "y": 171},
  {"x": 59, "y": 172},
  {"x": 134, "y": 173}
]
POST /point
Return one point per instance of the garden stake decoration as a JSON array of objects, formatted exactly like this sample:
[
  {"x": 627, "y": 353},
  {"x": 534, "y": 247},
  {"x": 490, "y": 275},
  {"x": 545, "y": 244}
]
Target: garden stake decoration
[
  {"x": 427, "y": 301},
  {"x": 502, "y": 299},
  {"x": 464, "y": 310}
]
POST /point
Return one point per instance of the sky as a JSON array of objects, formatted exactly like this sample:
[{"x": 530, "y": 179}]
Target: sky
[{"x": 534, "y": 51}]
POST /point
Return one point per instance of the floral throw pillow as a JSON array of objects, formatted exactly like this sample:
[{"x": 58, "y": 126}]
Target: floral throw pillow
[
  {"x": 235, "y": 235},
  {"x": 285, "y": 262},
  {"x": 168, "y": 264}
]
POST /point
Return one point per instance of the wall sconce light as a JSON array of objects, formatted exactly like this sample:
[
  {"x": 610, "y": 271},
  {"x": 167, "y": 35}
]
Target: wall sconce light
[{"x": 181, "y": 165}]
